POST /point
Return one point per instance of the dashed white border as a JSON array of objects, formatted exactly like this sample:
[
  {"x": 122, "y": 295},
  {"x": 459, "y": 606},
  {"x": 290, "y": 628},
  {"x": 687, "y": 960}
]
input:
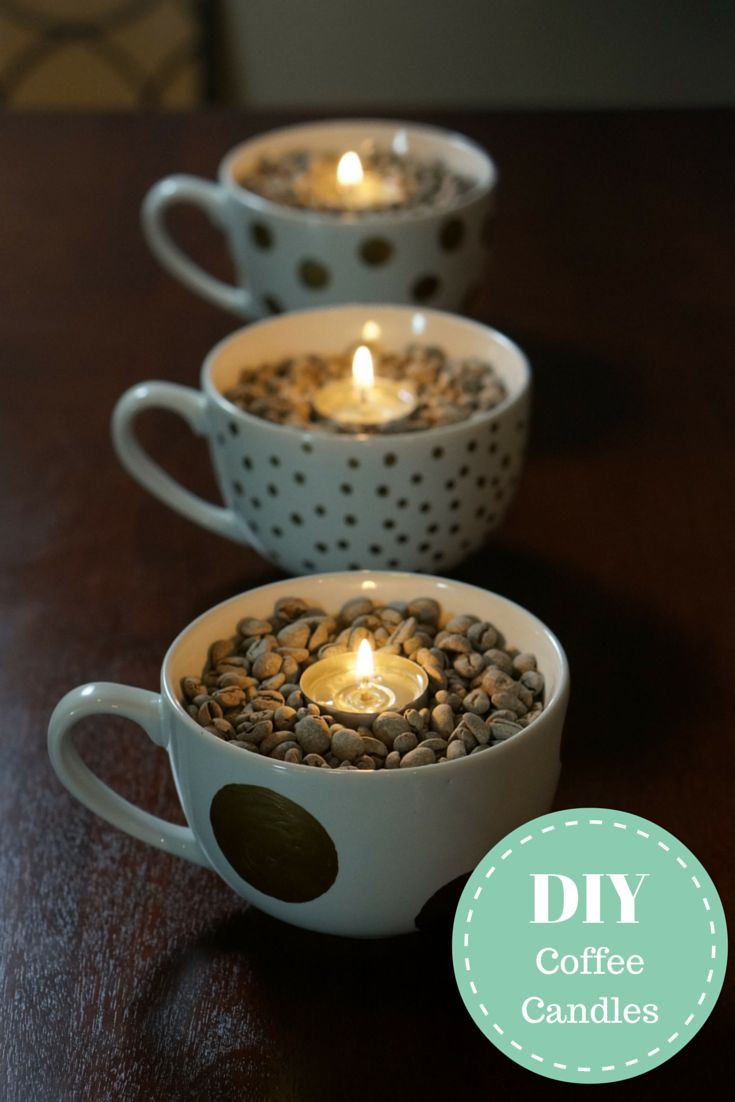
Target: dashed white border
[{"x": 687, "y": 1021}]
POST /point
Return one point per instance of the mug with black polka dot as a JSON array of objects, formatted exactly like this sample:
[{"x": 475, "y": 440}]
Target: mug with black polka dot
[
  {"x": 289, "y": 258},
  {"x": 312, "y": 500},
  {"x": 356, "y": 853}
]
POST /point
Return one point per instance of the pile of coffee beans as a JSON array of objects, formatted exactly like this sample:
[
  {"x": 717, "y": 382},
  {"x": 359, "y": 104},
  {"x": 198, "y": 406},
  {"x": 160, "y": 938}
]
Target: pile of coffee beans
[
  {"x": 481, "y": 690},
  {"x": 447, "y": 390},
  {"x": 422, "y": 185}
]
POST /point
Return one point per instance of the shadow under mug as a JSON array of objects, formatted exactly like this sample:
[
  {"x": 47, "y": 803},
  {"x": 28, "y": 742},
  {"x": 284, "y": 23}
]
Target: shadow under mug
[
  {"x": 361, "y": 854},
  {"x": 287, "y": 258},
  {"x": 314, "y": 500}
]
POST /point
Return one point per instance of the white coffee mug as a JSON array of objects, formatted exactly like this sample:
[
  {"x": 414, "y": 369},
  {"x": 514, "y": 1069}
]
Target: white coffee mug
[
  {"x": 288, "y": 258},
  {"x": 314, "y": 500},
  {"x": 345, "y": 852}
]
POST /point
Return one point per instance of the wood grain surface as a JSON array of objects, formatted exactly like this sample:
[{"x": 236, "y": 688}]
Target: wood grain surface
[{"x": 127, "y": 974}]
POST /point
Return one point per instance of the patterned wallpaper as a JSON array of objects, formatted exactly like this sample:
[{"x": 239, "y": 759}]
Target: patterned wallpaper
[{"x": 102, "y": 53}]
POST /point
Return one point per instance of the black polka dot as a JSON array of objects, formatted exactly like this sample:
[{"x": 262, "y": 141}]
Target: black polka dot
[
  {"x": 382, "y": 491},
  {"x": 350, "y": 520},
  {"x": 393, "y": 563},
  {"x": 234, "y": 429},
  {"x": 307, "y": 447},
  {"x": 437, "y": 453},
  {"x": 431, "y": 529},
  {"x": 425, "y": 507},
  {"x": 505, "y": 461},
  {"x": 481, "y": 511},
  {"x": 425, "y": 288},
  {"x": 273, "y": 304},
  {"x": 453, "y": 529},
  {"x": 465, "y": 544},
  {"x": 425, "y": 546},
  {"x": 463, "y": 472},
  {"x": 343, "y": 545},
  {"x": 261, "y": 235},
  {"x": 492, "y": 449},
  {"x": 438, "y": 556},
  {"x": 307, "y": 564},
  {"x": 296, "y": 518},
  {"x": 221, "y": 439},
  {"x": 376, "y": 250},
  {"x": 276, "y": 531},
  {"x": 313, "y": 274},
  {"x": 237, "y": 487},
  {"x": 353, "y": 566},
  {"x": 416, "y": 478},
  {"x": 255, "y": 526},
  {"x": 255, "y": 502},
  {"x": 272, "y": 489},
  {"x": 454, "y": 505},
  {"x": 402, "y": 503},
  {"x": 403, "y": 538},
  {"x": 354, "y": 463},
  {"x": 451, "y": 235},
  {"x": 389, "y": 523},
  {"x": 247, "y": 463},
  {"x": 320, "y": 510},
  {"x": 375, "y": 549},
  {"x": 299, "y": 477},
  {"x": 322, "y": 547},
  {"x": 449, "y": 484},
  {"x": 480, "y": 481},
  {"x": 345, "y": 488},
  {"x": 275, "y": 555},
  {"x": 472, "y": 446},
  {"x": 495, "y": 427},
  {"x": 390, "y": 459},
  {"x": 274, "y": 460}
]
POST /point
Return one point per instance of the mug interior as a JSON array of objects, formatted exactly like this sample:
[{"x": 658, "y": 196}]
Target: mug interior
[
  {"x": 363, "y": 136},
  {"x": 188, "y": 653},
  {"x": 333, "y": 329}
]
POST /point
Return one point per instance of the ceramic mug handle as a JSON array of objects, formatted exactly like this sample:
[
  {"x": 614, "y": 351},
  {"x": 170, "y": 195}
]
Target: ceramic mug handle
[
  {"x": 191, "y": 405},
  {"x": 209, "y": 198},
  {"x": 144, "y": 708}
]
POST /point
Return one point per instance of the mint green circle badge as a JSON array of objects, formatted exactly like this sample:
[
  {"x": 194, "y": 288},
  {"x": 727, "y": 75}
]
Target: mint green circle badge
[{"x": 589, "y": 945}]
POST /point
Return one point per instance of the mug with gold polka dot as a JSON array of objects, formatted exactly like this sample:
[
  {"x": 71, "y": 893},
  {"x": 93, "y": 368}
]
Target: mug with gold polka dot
[
  {"x": 356, "y": 853},
  {"x": 288, "y": 257},
  {"x": 310, "y": 499}
]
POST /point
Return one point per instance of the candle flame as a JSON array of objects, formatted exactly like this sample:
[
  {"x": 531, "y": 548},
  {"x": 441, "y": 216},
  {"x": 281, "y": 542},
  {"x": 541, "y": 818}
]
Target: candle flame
[
  {"x": 363, "y": 375},
  {"x": 364, "y": 662},
  {"x": 349, "y": 170},
  {"x": 371, "y": 331}
]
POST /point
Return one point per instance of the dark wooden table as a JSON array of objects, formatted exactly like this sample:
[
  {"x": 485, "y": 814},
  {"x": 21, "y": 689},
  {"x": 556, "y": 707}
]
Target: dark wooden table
[{"x": 127, "y": 974}]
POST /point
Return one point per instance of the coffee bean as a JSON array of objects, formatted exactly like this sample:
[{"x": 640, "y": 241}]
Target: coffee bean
[
  {"x": 267, "y": 665},
  {"x": 442, "y": 719},
  {"x": 347, "y": 745},
  {"x": 405, "y": 742},
  {"x": 312, "y": 735},
  {"x": 422, "y": 755},
  {"x": 456, "y": 749}
]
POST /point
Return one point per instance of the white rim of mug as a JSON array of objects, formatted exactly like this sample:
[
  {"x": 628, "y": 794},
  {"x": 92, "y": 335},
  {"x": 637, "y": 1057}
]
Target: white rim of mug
[
  {"x": 478, "y": 189},
  {"x": 380, "y": 439},
  {"x": 553, "y": 705}
]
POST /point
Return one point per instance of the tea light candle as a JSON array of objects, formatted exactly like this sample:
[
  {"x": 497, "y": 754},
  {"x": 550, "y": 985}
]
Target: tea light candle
[
  {"x": 357, "y": 686},
  {"x": 351, "y": 187},
  {"x": 362, "y": 399}
]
